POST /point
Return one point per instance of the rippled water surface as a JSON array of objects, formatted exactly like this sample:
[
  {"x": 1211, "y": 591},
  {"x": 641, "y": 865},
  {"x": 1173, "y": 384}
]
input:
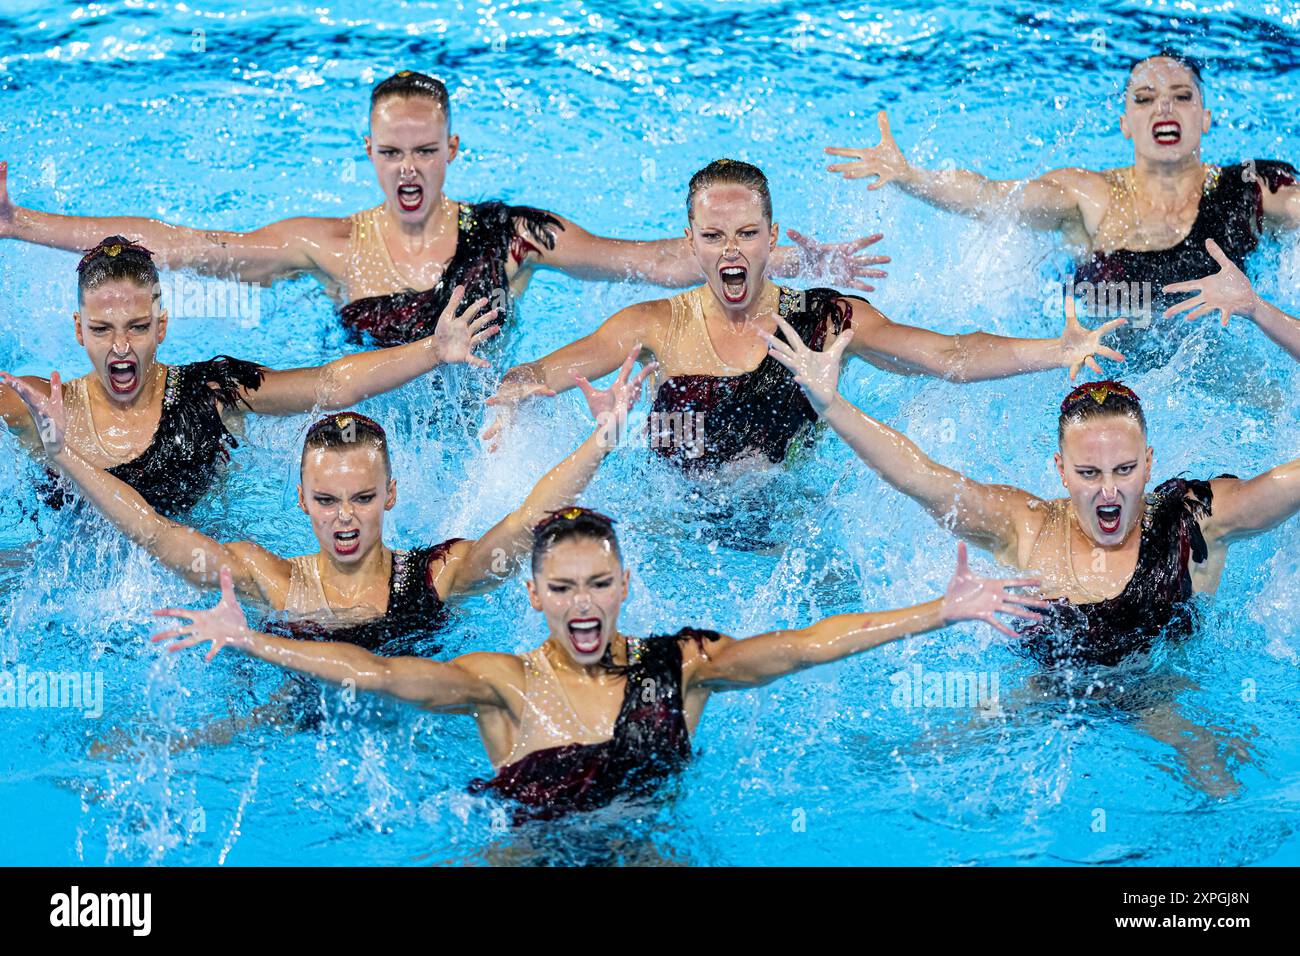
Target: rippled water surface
[{"x": 205, "y": 114}]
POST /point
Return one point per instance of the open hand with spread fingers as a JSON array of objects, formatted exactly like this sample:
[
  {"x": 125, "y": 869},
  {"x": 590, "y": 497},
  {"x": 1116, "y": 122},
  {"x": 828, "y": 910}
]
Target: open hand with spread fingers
[
  {"x": 884, "y": 161},
  {"x": 223, "y": 625},
  {"x": 840, "y": 263},
  {"x": 817, "y": 373},
  {"x": 47, "y": 410},
  {"x": 609, "y": 406},
  {"x": 1080, "y": 345},
  {"x": 973, "y": 598},
  {"x": 460, "y": 331},
  {"x": 1227, "y": 292}
]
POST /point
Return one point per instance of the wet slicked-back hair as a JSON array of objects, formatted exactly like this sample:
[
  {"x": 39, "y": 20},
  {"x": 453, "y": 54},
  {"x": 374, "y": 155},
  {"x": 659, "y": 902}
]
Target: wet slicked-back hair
[
  {"x": 729, "y": 172},
  {"x": 560, "y": 527},
  {"x": 1096, "y": 400},
  {"x": 409, "y": 84},
  {"x": 116, "y": 258},
  {"x": 1192, "y": 65},
  {"x": 344, "y": 430}
]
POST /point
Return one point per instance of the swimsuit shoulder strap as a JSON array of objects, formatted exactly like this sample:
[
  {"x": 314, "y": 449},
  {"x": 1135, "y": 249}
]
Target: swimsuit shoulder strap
[
  {"x": 1054, "y": 526},
  {"x": 368, "y": 257},
  {"x": 680, "y": 326},
  {"x": 306, "y": 593},
  {"x": 547, "y": 718}
]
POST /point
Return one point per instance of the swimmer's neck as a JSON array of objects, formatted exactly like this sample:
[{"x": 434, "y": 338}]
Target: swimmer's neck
[
  {"x": 377, "y": 563},
  {"x": 430, "y": 229},
  {"x": 763, "y": 306},
  {"x": 1177, "y": 178},
  {"x": 561, "y": 660}
]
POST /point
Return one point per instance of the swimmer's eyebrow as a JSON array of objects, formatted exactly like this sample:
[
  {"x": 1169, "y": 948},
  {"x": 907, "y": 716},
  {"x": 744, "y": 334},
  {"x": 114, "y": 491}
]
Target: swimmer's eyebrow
[
  {"x": 591, "y": 580},
  {"x": 1081, "y": 466},
  {"x": 421, "y": 146},
  {"x": 751, "y": 225},
  {"x": 1177, "y": 87}
]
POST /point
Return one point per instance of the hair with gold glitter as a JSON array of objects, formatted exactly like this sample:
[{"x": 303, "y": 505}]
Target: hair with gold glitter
[
  {"x": 116, "y": 258},
  {"x": 1094, "y": 400},
  {"x": 346, "y": 430}
]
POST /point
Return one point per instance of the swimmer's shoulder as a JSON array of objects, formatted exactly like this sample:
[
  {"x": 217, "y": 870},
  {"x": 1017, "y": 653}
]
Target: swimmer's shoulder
[
  {"x": 1080, "y": 181},
  {"x": 444, "y": 564},
  {"x": 1031, "y": 516},
  {"x": 324, "y": 240},
  {"x": 648, "y": 322},
  {"x": 504, "y": 673},
  {"x": 266, "y": 570}
]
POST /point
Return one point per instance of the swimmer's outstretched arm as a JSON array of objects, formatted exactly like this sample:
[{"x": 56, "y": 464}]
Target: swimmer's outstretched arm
[
  {"x": 973, "y": 356},
  {"x": 347, "y": 381},
  {"x": 1244, "y": 508},
  {"x": 1051, "y": 201},
  {"x": 989, "y": 516},
  {"x": 1229, "y": 292},
  {"x": 464, "y": 685},
  {"x": 487, "y": 562},
  {"x": 276, "y": 251},
  {"x": 185, "y": 551},
  {"x": 759, "y": 660},
  {"x": 671, "y": 263},
  {"x": 634, "y": 329}
]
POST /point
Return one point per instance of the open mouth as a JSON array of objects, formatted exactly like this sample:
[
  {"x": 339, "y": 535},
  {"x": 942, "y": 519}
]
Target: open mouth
[
  {"x": 347, "y": 542},
  {"x": 585, "y": 634},
  {"x": 735, "y": 282},
  {"x": 1108, "y": 518},
  {"x": 123, "y": 376},
  {"x": 410, "y": 198},
  {"x": 1167, "y": 133}
]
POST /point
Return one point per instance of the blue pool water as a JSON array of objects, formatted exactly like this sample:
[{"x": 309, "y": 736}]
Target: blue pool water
[{"x": 204, "y": 114}]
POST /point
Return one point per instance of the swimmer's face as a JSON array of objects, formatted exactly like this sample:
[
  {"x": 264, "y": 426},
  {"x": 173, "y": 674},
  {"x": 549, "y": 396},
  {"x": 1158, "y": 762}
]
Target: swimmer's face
[
  {"x": 410, "y": 148},
  {"x": 1105, "y": 465},
  {"x": 1163, "y": 111},
  {"x": 121, "y": 324},
  {"x": 580, "y": 586},
  {"x": 732, "y": 241},
  {"x": 345, "y": 492}
]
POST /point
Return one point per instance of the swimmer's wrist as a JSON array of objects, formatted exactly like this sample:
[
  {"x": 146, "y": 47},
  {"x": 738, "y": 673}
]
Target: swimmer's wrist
[
  {"x": 245, "y": 640},
  {"x": 1259, "y": 309},
  {"x": 837, "y": 403}
]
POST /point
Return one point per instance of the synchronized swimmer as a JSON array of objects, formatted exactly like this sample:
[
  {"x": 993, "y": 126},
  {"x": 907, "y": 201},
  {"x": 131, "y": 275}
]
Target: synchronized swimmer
[
  {"x": 593, "y": 714},
  {"x": 393, "y": 268}
]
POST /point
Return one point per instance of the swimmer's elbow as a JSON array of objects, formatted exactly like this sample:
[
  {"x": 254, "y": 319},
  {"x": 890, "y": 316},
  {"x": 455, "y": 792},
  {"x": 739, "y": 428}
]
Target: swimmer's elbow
[{"x": 954, "y": 361}]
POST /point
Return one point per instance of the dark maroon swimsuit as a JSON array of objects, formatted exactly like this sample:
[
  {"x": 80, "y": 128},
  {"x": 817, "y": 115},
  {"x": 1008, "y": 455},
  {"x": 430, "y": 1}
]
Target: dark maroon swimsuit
[
  {"x": 651, "y": 742},
  {"x": 488, "y": 236},
  {"x": 181, "y": 463},
  {"x": 415, "y": 610},
  {"x": 763, "y": 410},
  {"x": 1156, "y": 600},
  {"x": 1231, "y": 212}
]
